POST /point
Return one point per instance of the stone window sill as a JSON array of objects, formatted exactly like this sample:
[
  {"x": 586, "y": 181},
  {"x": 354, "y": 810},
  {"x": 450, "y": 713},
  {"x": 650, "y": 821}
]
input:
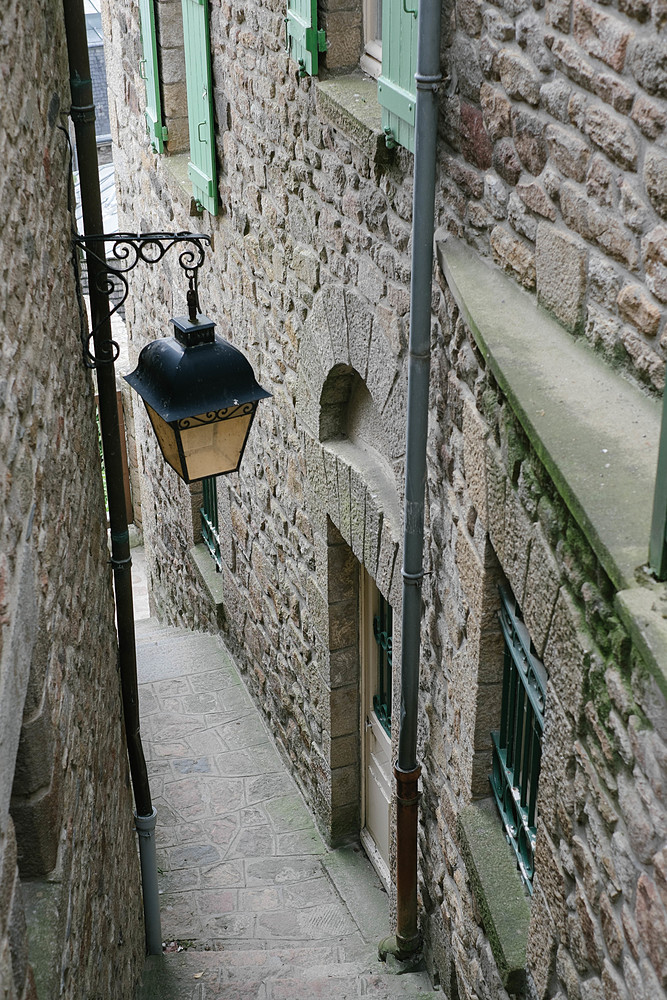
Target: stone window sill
[
  {"x": 209, "y": 578},
  {"x": 497, "y": 890},
  {"x": 350, "y": 104},
  {"x": 596, "y": 433}
]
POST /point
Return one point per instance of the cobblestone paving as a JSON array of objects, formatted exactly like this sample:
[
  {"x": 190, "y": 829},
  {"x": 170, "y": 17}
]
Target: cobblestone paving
[{"x": 249, "y": 891}]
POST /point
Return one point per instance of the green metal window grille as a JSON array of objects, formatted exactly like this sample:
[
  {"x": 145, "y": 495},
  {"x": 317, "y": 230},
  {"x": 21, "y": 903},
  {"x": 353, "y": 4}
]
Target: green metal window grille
[
  {"x": 303, "y": 40},
  {"x": 382, "y": 631},
  {"x": 397, "y": 91},
  {"x": 517, "y": 745},
  {"x": 210, "y": 531},
  {"x": 149, "y": 72},
  {"x": 202, "y": 167}
]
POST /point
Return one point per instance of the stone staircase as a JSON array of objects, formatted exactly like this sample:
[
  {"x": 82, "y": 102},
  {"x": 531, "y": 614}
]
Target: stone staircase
[{"x": 253, "y": 904}]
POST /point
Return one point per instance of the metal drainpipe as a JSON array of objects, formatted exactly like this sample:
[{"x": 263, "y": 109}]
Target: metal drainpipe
[
  {"x": 428, "y": 76},
  {"x": 83, "y": 116}
]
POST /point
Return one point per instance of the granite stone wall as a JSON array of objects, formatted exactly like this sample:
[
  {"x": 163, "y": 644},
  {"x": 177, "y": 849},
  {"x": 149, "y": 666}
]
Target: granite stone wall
[
  {"x": 550, "y": 164},
  {"x": 70, "y": 903}
]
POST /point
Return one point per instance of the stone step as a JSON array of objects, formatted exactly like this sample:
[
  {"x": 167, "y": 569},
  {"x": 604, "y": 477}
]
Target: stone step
[
  {"x": 283, "y": 974},
  {"x": 164, "y": 652}
]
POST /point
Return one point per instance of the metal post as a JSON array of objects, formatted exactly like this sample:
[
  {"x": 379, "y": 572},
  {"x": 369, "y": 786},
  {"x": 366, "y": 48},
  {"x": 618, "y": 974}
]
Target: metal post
[
  {"x": 407, "y": 771},
  {"x": 83, "y": 117}
]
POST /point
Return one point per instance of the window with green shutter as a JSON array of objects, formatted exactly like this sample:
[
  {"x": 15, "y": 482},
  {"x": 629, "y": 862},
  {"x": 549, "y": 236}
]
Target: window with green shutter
[
  {"x": 397, "y": 93},
  {"x": 304, "y": 41},
  {"x": 150, "y": 74},
  {"x": 201, "y": 169}
]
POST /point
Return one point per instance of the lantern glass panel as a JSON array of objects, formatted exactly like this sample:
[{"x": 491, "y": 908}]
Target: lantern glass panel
[
  {"x": 167, "y": 439},
  {"x": 212, "y": 449}
]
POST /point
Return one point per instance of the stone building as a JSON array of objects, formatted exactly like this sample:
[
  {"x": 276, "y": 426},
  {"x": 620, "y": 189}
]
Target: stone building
[
  {"x": 70, "y": 895},
  {"x": 542, "y": 726}
]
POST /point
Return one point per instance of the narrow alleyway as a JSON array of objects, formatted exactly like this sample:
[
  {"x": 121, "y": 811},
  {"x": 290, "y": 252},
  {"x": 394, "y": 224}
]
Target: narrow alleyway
[{"x": 261, "y": 909}]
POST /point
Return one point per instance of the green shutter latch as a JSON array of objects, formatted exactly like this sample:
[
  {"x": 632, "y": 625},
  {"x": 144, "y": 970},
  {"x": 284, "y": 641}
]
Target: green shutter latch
[{"x": 408, "y": 11}]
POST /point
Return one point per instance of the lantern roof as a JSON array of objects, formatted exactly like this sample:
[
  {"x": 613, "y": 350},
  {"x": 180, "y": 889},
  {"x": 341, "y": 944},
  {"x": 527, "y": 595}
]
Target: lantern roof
[{"x": 194, "y": 372}]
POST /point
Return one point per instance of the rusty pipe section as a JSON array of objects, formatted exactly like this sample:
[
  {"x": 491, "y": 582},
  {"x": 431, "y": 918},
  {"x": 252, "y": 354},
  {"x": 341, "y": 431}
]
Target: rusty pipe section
[{"x": 407, "y": 809}]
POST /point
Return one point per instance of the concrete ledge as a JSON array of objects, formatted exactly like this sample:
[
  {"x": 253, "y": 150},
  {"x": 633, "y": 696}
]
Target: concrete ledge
[
  {"x": 498, "y": 891},
  {"x": 351, "y": 104},
  {"x": 209, "y": 578},
  {"x": 596, "y": 433}
]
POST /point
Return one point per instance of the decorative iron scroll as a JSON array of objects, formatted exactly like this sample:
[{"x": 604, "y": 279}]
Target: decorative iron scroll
[
  {"x": 213, "y": 416},
  {"x": 126, "y": 251}
]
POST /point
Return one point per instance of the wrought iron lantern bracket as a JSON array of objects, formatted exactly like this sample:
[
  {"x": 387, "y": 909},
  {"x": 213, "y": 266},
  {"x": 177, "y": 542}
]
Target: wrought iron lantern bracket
[{"x": 111, "y": 267}]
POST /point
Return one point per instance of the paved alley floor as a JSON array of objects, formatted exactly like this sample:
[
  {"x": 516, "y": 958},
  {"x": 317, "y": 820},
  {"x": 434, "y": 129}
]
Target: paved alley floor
[{"x": 261, "y": 909}]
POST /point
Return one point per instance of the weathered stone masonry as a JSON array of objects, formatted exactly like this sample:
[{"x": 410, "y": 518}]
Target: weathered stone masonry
[
  {"x": 551, "y": 164},
  {"x": 67, "y": 855}
]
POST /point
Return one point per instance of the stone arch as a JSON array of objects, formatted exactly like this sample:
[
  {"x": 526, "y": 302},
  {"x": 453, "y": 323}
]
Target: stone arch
[
  {"x": 350, "y": 411},
  {"x": 343, "y": 332}
]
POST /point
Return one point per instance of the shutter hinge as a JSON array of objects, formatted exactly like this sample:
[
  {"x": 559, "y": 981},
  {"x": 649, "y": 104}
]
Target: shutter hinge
[
  {"x": 321, "y": 40},
  {"x": 165, "y": 132}
]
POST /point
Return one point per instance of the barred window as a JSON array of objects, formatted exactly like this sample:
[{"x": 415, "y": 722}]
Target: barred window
[
  {"x": 210, "y": 531},
  {"x": 517, "y": 745}
]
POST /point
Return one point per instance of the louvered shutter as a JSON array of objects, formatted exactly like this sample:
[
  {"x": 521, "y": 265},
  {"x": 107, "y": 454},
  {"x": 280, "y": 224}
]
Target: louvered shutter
[
  {"x": 397, "y": 93},
  {"x": 304, "y": 41},
  {"x": 149, "y": 73},
  {"x": 201, "y": 168}
]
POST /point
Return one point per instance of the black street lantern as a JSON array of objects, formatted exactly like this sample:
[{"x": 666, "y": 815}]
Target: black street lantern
[{"x": 201, "y": 395}]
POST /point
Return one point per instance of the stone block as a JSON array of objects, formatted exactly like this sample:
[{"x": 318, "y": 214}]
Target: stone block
[
  {"x": 568, "y": 151},
  {"x": 635, "y": 306},
  {"x": 541, "y": 947},
  {"x": 37, "y": 821},
  {"x": 496, "y": 111},
  {"x": 654, "y": 256},
  {"x": 655, "y": 179},
  {"x": 567, "y": 656},
  {"x": 344, "y": 37},
  {"x": 536, "y": 198},
  {"x": 649, "y": 116},
  {"x": 36, "y": 755},
  {"x": 541, "y": 592},
  {"x": 518, "y": 76},
  {"x": 344, "y": 711},
  {"x": 599, "y": 226},
  {"x": 647, "y": 61},
  {"x": 475, "y": 143},
  {"x": 506, "y": 162},
  {"x": 496, "y": 486},
  {"x": 514, "y": 256},
  {"x": 613, "y": 134},
  {"x": 528, "y": 132},
  {"x": 561, "y": 275},
  {"x": 555, "y": 800},
  {"x": 475, "y": 432},
  {"x": 600, "y": 34},
  {"x": 652, "y": 925}
]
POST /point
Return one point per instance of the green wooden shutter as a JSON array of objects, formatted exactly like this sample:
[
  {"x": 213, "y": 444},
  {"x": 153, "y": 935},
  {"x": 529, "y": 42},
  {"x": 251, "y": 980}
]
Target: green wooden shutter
[
  {"x": 304, "y": 41},
  {"x": 201, "y": 168},
  {"x": 397, "y": 93},
  {"x": 150, "y": 74}
]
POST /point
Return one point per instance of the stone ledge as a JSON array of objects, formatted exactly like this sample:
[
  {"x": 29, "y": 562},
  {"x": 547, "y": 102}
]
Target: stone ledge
[
  {"x": 498, "y": 890},
  {"x": 209, "y": 578},
  {"x": 351, "y": 104},
  {"x": 42, "y": 901},
  {"x": 596, "y": 433}
]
